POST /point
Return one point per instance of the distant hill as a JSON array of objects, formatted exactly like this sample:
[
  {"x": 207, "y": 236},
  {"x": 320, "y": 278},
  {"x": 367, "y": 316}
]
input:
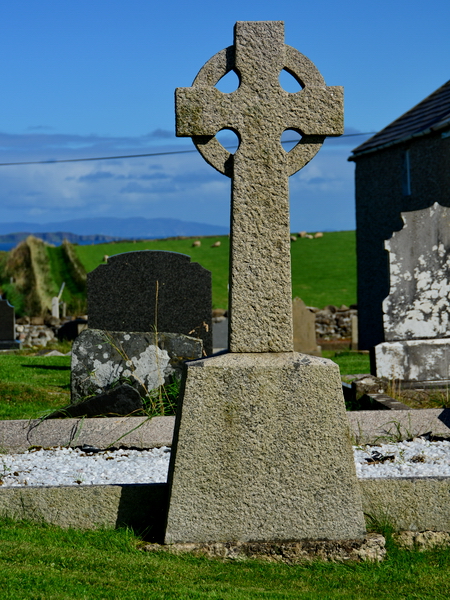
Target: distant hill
[
  {"x": 115, "y": 228},
  {"x": 56, "y": 238}
]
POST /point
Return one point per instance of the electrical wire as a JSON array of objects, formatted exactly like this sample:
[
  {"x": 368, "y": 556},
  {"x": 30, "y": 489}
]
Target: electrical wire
[{"x": 68, "y": 160}]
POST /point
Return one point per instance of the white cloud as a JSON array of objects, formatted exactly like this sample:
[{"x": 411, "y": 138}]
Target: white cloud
[{"x": 183, "y": 186}]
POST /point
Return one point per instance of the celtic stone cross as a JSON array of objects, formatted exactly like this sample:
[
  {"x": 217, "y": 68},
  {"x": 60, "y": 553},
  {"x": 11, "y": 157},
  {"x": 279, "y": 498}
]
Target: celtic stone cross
[{"x": 259, "y": 111}]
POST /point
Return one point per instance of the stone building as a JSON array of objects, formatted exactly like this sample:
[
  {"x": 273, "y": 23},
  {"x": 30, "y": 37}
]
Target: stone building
[{"x": 405, "y": 167}]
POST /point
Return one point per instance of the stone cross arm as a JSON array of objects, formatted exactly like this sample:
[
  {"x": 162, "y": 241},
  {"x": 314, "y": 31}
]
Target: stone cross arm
[{"x": 205, "y": 111}]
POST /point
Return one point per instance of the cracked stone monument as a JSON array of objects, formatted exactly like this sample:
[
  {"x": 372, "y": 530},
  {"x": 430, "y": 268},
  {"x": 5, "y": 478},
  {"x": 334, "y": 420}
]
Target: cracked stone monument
[
  {"x": 262, "y": 449},
  {"x": 416, "y": 312}
]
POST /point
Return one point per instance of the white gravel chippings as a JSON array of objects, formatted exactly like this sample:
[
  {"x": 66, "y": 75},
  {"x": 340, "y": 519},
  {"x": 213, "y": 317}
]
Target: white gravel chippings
[
  {"x": 416, "y": 458},
  {"x": 73, "y": 466},
  {"x": 91, "y": 466}
]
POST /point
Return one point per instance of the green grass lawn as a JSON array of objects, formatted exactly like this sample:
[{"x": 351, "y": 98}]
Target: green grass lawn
[
  {"x": 349, "y": 362},
  {"x": 31, "y": 386},
  {"x": 42, "y": 562},
  {"x": 323, "y": 269}
]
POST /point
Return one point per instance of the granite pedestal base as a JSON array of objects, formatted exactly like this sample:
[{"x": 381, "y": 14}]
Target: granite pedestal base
[
  {"x": 262, "y": 453},
  {"x": 414, "y": 360}
]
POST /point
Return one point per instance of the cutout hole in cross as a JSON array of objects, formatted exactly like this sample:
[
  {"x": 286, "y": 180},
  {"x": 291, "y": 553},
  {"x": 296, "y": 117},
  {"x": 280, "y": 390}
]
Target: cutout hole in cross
[
  {"x": 290, "y": 138},
  {"x": 289, "y": 83},
  {"x": 228, "y": 83},
  {"x": 228, "y": 139}
]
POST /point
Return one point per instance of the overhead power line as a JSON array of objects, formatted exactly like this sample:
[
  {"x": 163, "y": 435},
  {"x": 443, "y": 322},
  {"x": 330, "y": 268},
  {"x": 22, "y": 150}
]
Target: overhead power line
[{"x": 68, "y": 160}]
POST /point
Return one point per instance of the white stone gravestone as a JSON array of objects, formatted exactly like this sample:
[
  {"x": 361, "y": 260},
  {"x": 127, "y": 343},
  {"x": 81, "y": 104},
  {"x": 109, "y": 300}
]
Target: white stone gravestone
[
  {"x": 416, "y": 313},
  {"x": 262, "y": 449}
]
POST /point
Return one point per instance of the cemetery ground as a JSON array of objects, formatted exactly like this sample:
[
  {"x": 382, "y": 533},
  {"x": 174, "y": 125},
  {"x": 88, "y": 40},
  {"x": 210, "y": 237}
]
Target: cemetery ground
[
  {"x": 32, "y": 386},
  {"x": 43, "y": 561},
  {"x": 39, "y": 561}
]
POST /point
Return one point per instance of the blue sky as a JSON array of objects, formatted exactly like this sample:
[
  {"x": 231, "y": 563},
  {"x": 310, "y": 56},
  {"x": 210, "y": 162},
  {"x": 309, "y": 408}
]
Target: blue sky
[{"x": 97, "y": 78}]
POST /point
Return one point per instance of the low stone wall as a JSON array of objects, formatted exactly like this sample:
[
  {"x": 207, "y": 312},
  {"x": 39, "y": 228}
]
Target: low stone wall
[
  {"x": 413, "y": 505},
  {"x": 333, "y": 322},
  {"x": 34, "y": 335},
  {"x": 39, "y": 331}
]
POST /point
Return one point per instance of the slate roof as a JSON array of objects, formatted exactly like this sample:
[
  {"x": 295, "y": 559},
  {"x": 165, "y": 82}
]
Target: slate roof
[{"x": 430, "y": 114}]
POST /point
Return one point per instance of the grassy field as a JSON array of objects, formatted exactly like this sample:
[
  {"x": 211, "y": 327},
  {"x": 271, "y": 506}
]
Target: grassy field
[
  {"x": 323, "y": 269},
  {"x": 39, "y": 562}
]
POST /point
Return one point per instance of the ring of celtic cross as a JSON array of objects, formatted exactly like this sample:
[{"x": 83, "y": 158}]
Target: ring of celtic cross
[{"x": 304, "y": 72}]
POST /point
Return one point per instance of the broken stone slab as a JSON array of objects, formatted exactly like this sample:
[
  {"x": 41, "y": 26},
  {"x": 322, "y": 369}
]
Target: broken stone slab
[
  {"x": 121, "y": 400},
  {"x": 101, "y": 359},
  {"x": 265, "y": 428}
]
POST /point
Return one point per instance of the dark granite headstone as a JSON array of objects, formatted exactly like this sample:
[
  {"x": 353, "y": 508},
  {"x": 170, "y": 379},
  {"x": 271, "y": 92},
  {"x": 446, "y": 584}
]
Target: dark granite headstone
[
  {"x": 7, "y": 326},
  {"x": 151, "y": 290}
]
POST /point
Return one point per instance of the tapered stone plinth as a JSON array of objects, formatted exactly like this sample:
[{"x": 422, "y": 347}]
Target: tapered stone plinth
[{"x": 262, "y": 452}]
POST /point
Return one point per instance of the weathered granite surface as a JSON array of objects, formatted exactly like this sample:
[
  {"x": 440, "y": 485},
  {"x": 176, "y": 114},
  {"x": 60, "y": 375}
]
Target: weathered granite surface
[
  {"x": 139, "y": 432},
  {"x": 372, "y": 426},
  {"x": 101, "y": 359},
  {"x": 411, "y": 504},
  {"x": 89, "y": 506},
  {"x": 416, "y": 311},
  {"x": 254, "y": 455},
  {"x": 259, "y": 111},
  {"x": 149, "y": 291}
]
